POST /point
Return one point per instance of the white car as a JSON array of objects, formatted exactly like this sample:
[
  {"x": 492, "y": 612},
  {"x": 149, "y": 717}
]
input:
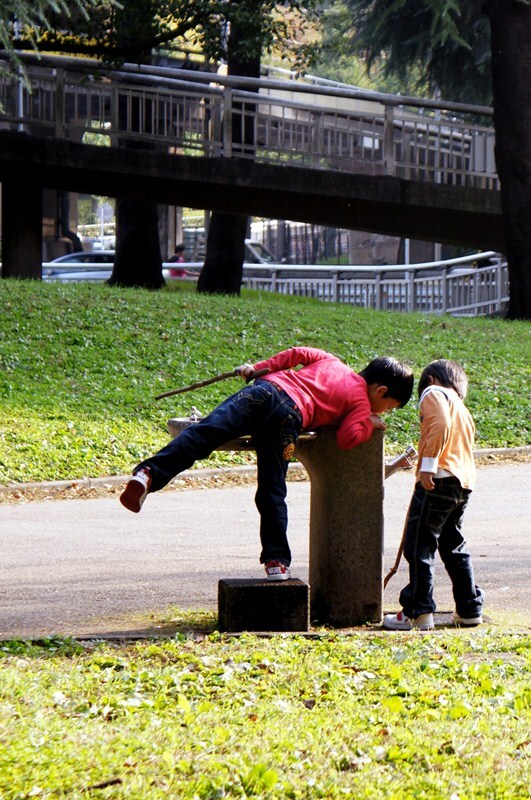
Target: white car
[
  {"x": 97, "y": 265},
  {"x": 81, "y": 266},
  {"x": 257, "y": 253}
]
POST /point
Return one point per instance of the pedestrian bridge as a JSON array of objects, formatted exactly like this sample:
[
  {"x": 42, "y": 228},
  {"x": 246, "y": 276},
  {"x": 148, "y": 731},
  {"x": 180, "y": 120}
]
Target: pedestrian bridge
[{"x": 313, "y": 151}]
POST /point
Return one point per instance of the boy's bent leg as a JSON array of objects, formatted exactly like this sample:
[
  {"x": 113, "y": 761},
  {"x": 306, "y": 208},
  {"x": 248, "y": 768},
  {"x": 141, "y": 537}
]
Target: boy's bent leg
[
  {"x": 178, "y": 455},
  {"x": 458, "y": 563},
  {"x": 155, "y": 472}
]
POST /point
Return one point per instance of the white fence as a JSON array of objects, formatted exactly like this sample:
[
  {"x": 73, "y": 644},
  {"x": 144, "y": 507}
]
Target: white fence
[{"x": 475, "y": 285}]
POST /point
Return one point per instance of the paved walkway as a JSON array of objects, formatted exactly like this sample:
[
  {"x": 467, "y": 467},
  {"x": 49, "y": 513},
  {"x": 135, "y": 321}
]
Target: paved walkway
[{"x": 81, "y": 567}]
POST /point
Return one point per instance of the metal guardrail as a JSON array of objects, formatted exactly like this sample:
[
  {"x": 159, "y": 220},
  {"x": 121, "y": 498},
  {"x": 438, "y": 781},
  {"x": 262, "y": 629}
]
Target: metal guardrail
[
  {"x": 285, "y": 121},
  {"x": 475, "y": 285},
  {"x": 460, "y": 287}
]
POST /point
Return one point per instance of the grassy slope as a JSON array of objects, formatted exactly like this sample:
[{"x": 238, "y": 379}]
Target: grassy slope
[{"x": 80, "y": 364}]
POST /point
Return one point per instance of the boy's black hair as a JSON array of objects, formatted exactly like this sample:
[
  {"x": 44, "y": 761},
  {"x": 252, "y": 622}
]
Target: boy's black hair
[
  {"x": 448, "y": 373},
  {"x": 396, "y": 375}
]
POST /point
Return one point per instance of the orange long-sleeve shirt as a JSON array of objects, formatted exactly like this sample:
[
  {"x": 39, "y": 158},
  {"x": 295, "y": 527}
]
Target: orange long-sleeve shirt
[
  {"x": 446, "y": 436},
  {"x": 326, "y": 391}
]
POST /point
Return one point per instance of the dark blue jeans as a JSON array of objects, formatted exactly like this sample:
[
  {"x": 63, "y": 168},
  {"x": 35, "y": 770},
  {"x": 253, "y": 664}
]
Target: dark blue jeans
[
  {"x": 434, "y": 523},
  {"x": 273, "y": 420}
]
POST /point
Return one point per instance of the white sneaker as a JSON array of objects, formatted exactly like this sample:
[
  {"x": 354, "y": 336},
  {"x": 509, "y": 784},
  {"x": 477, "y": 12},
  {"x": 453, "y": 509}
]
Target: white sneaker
[
  {"x": 136, "y": 491},
  {"x": 277, "y": 571},
  {"x": 399, "y": 622},
  {"x": 459, "y": 620}
]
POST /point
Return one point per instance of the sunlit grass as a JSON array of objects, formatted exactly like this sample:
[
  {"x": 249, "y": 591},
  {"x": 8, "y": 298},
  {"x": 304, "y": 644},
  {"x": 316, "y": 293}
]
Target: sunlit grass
[{"x": 371, "y": 715}]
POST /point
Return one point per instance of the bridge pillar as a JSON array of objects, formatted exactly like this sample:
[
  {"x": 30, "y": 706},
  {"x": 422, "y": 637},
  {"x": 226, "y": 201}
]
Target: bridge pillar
[
  {"x": 346, "y": 528},
  {"x": 21, "y": 230}
]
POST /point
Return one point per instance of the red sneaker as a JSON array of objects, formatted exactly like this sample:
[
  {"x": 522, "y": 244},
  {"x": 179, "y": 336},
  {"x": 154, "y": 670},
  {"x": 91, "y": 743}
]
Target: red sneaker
[
  {"x": 136, "y": 491},
  {"x": 277, "y": 571}
]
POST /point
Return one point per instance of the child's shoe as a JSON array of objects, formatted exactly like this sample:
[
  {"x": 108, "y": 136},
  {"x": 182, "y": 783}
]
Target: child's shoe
[
  {"x": 277, "y": 571},
  {"x": 459, "y": 620},
  {"x": 136, "y": 490},
  {"x": 399, "y": 622}
]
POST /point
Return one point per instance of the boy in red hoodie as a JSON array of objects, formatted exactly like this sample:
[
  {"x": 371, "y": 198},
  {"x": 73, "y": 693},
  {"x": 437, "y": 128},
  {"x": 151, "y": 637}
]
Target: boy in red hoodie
[{"x": 305, "y": 388}]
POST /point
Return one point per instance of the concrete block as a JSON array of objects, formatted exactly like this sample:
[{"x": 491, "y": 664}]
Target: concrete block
[{"x": 262, "y": 605}]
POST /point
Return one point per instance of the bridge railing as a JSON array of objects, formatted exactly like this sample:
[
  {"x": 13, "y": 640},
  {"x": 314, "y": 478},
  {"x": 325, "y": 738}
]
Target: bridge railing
[{"x": 281, "y": 121}]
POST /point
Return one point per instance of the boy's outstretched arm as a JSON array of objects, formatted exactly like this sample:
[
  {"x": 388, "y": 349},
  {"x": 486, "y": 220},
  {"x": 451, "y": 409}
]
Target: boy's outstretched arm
[{"x": 294, "y": 357}]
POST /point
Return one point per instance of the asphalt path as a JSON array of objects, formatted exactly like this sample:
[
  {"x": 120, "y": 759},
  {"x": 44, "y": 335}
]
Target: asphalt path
[{"x": 89, "y": 567}]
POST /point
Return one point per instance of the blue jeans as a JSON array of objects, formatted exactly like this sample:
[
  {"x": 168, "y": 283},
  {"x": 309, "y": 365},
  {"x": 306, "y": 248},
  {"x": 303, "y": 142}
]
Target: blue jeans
[
  {"x": 273, "y": 420},
  {"x": 434, "y": 523}
]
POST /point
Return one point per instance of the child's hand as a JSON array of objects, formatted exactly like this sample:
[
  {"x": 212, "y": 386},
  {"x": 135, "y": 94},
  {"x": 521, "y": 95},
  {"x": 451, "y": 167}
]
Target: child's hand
[
  {"x": 245, "y": 370},
  {"x": 426, "y": 481},
  {"x": 377, "y": 422}
]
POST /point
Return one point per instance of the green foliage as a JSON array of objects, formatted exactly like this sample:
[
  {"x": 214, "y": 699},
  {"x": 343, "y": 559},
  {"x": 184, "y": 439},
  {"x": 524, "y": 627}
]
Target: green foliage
[
  {"x": 261, "y": 27},
  {"x": 371, "y": 715},
  {"x": 81, "y": 364},
  {"x": 444, "y": 42},
  {"x": 35, "y": 13},
  {"x": 338, "y": 57},
  {"x": 20, "y": 19},
  {"x": 118, "y": 31}
]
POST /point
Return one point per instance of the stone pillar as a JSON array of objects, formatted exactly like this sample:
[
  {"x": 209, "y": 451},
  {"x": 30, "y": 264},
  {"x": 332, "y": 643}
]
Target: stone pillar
[
  {"x": 346, "y": 529},
  {"x": 21, "y": 230}
]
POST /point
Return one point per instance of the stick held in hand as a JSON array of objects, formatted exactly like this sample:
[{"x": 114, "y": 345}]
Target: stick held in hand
[{"x": 223, "y": 376}]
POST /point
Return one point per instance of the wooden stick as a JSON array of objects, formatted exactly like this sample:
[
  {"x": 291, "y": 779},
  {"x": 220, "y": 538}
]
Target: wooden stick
[
  {"x": 394, "y": 568},
  {"x": 224, "y": 375}
]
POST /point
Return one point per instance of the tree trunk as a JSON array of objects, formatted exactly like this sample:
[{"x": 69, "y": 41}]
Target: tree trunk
[
  {"x": 138, "y": 259},
  {"x": 223, "y": 267},
  {"x": 510, "y": 23},
  {"x": 225, "y": 252}
]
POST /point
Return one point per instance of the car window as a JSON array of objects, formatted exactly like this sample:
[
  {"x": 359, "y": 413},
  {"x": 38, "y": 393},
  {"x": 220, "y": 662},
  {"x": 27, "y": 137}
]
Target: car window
[{"x": 257, "y": 253}]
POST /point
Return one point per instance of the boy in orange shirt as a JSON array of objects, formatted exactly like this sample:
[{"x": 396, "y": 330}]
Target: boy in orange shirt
[{"x": 445, "y": 477}]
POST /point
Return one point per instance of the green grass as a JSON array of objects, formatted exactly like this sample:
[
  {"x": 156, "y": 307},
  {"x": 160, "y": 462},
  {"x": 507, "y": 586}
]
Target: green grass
[
  {"x": 80, "y": 365},
  {"x": 371, "y": 715}
]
